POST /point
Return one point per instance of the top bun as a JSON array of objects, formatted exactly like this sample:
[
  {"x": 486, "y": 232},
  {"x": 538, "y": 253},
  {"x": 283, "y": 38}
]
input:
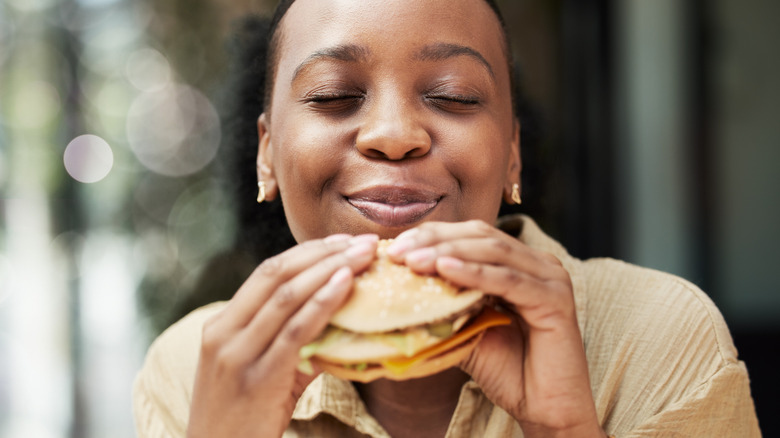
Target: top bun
[{"x": 389, "y": 296}]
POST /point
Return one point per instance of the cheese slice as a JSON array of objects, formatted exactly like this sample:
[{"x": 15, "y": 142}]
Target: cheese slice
[{"x": 488, "y": 318}]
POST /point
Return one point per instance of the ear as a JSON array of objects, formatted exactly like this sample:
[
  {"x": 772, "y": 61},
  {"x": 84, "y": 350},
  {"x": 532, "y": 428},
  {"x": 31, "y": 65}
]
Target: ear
[
  {"x": 514, "y": 165},
  {"x": 265, "y": 154}
]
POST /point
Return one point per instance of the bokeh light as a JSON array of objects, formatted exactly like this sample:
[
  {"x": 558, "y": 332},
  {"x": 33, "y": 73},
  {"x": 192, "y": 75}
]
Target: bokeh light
[
  {"x": 107, "y": 43},
  {"x": 201, "y": 223},
  {"x": 156, "y": 252},
  {"x": 148, "y": 70},
  {"x": 35, "y": 104},
  {"x": 174, "y": 130},
  {"x": 106, "y": 104},
  {"x": 88, "y": 158},
  {"x": 154, "y": 196}
]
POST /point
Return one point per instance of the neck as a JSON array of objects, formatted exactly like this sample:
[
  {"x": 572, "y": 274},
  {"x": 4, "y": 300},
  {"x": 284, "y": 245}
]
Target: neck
[{"x": 417, "y": 407}]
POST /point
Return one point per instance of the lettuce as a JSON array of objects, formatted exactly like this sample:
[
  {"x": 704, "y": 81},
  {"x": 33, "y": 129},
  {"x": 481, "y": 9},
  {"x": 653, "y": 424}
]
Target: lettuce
[
  {"x": 329, "y": 336},
  {"x": 441, "y": 330},
  {"x": 306, "y": 367}
]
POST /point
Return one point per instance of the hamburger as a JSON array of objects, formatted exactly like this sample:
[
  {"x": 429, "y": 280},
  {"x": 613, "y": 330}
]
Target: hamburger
[{"x": 399, "y": 325}]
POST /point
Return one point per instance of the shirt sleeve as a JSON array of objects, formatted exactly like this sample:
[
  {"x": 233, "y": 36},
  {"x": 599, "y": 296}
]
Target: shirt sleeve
[
  {"x": 162, "y": 392},
  {"x": 154, "y": 417},
  {"x": 661, "y": 359},
  {"x": 722, "y": 406}
]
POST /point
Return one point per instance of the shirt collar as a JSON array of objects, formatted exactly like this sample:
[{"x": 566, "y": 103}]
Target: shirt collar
[{"x": 330, "y": 395}]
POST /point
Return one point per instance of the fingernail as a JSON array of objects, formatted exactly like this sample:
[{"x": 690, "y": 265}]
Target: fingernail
[
  {"x": 402, "y": 243},
  {"x": 445, "y": 262},
  {"x": 408, "y": 234},
  {"x": 398, "y": 247},
  {"x": 337, "y": 238},
  {"x": 364, "y": 238},
  {"x": 360, "y": 249},
  {"x": 421, "y": 255},
  {"x": 341, "y": 276},
  {"x": 336, "y": 282}
]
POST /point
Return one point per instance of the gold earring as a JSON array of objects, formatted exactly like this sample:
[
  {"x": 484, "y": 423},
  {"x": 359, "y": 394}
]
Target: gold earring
[
  {"x": 516, "y": 194},
  {"x": 260, "y": 192}
]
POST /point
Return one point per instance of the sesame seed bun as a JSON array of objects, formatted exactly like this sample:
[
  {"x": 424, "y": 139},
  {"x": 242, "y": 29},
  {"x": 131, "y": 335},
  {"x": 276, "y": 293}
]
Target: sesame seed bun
[
  {"x": 389, "y": 296},
  {"x": 399, "y": 325}
]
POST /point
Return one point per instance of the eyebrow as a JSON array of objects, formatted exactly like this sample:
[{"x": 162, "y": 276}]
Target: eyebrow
[
  {"x": 356, "y": 53},
  {"x": 441, "y": 51},
  {"x": 345, "y": 52}
]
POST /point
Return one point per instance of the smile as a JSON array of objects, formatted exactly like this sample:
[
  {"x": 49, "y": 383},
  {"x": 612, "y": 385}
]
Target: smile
[{"x": 394, "y": 207}]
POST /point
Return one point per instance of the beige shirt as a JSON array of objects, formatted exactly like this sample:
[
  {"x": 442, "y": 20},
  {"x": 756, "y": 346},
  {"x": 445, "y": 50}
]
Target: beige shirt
[{"x": 661, "y": 362}]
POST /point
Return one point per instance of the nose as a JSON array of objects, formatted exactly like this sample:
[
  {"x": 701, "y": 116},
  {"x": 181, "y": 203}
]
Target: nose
[{"x": 391, "y": 130}]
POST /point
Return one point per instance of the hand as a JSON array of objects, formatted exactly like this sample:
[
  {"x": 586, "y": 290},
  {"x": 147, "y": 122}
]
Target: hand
[
  {"x": 247, "y": 383},
  {"x": 535, "y": 368}
]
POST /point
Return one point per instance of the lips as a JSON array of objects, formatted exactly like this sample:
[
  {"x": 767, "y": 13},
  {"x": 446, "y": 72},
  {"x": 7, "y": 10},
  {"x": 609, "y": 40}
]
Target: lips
[{"x": 394, "y": 206}]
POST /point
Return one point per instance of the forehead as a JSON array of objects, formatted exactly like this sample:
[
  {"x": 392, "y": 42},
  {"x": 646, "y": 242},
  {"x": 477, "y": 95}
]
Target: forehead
[{"x": 388, "y": 26}]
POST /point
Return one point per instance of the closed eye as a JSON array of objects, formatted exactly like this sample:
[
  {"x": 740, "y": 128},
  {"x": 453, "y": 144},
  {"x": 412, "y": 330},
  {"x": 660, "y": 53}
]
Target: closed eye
[
  {"x": 333, "y": 102},
  {"x": 453, "y": 102},
  {"x": 458, "y": 98}
]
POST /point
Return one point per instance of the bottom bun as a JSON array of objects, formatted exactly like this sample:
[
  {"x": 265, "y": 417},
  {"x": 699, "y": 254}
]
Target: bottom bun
[{"x": 448, "y": 359}]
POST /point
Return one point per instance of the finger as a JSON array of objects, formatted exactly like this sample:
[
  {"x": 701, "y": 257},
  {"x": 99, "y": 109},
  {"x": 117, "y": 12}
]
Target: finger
[
  {"x": 303, "y": 327},
  {"x": 431, "y": 233},
  {"x": 290, "y": 297},
  {"x": 536, "y": 300},
  {"x": 473, "y": 241},
  {"x": 497, "y": 249},
  {"x": 274, "y": 271}
]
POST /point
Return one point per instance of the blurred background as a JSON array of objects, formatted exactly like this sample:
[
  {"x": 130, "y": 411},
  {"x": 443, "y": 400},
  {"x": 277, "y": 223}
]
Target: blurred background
[{"x": 660, "y": 145}]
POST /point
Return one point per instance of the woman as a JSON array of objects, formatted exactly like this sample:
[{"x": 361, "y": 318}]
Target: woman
[{"x": 394, "y": 118}]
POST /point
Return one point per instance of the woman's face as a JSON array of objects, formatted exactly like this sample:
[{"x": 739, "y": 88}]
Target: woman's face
[{"x": 387, "y": 113}]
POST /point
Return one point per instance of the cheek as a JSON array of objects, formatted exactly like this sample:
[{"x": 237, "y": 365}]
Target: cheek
[
  {"x": 307, "y": 156},
  {"x": 479, "y": 157},
  {"x": 305, "y": 161},
  {"x": 479, "y": 163}
]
